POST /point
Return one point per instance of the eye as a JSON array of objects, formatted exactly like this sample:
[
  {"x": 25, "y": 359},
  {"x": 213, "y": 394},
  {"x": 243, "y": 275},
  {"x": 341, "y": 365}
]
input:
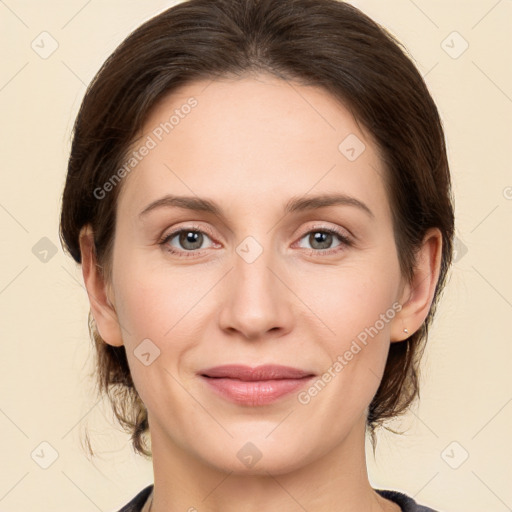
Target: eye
[
  {"x": 185, "y": 242},
  {"x": 189, "y": 241},
  {"x": 322, "y": 238}
]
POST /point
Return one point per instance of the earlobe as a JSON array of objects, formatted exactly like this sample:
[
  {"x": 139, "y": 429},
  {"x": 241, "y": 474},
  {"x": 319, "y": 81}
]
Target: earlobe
[
  {"x": 417, "y": 296},
  {"x": 102, "y": 309}
]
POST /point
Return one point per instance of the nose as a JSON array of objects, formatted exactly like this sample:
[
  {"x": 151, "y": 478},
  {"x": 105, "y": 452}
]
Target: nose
[{"x": 257, "y": 303}]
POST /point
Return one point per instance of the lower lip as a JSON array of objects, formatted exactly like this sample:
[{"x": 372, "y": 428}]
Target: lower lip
[{"x": 254, "y": 393}]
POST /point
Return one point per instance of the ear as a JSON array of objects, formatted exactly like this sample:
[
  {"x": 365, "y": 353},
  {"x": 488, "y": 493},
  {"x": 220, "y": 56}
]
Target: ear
[
  {"x": 102, "y": 309},
  {"x": 417, "y": 295}
]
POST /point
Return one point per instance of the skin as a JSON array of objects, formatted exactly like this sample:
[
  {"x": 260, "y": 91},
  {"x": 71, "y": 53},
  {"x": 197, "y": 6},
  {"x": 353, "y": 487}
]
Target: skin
[{"x": 294, "y": 305}]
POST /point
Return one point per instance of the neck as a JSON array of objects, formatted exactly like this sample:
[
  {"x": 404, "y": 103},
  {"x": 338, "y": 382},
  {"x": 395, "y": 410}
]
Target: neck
[{"x": 335, "y": 481}]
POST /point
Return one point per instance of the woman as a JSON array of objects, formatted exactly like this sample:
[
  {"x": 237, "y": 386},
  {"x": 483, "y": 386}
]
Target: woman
[{"x": 259, "y": 195}]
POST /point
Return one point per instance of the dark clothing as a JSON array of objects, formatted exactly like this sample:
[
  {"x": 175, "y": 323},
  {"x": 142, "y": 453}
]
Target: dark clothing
[{"x": 406, "y": 503}]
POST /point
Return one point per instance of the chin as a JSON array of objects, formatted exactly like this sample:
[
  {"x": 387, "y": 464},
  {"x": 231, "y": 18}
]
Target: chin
[{"x": 257, "y": 457}]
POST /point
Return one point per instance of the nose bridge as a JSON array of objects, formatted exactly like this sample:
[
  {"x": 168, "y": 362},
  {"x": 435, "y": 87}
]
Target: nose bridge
[{"x": 256, "y": 300}]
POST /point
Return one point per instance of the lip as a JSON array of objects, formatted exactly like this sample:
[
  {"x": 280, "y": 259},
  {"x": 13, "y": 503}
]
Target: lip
[{"x": 261, "y": 385}]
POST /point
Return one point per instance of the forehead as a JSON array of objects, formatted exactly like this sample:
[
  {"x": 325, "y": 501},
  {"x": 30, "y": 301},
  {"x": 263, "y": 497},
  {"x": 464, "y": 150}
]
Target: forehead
[{"x": 262, "y": 137}]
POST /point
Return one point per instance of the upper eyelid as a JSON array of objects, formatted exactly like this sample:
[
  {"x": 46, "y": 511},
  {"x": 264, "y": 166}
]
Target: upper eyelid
[
  {"x": 317, "y": 227},
  {"x": 174, "y": 232},
  {"x": 197, "y": 227}
]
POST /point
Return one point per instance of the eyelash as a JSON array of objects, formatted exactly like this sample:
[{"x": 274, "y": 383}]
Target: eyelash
[{"x": 345, "y": 241}]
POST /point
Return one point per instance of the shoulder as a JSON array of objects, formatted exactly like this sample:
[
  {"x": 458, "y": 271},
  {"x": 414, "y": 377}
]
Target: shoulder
[
  {"x": 138, "y": 502},
  {"x": 406, "y": 503}
]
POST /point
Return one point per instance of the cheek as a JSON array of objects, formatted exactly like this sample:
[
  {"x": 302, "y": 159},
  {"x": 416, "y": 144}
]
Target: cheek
[
  {"x": 357, "y": 305},
  {"x": 351, "y": 298},
  {"x": 341, "y": 300},
  {"x": 358, "y": 310},
  {"x": 166, "y": 308},
  {"x": 155, "y": 299}
]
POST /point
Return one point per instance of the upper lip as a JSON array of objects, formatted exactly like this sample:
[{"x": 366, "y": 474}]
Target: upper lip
[{"x": 247, "y": 373}]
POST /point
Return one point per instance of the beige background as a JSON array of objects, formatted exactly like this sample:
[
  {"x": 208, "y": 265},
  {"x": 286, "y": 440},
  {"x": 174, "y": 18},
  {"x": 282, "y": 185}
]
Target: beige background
[{"x": 46, "y": 394}]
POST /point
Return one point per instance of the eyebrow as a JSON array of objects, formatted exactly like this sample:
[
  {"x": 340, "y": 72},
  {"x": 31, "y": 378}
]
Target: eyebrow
[{"x": 295, "y": 204}]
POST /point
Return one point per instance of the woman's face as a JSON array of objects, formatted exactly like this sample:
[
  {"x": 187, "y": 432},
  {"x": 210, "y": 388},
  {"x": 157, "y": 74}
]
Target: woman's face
[{"x": 273, "y": 276}]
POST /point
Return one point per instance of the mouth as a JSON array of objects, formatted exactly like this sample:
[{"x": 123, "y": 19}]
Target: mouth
[{"x": 261, "y": 385}]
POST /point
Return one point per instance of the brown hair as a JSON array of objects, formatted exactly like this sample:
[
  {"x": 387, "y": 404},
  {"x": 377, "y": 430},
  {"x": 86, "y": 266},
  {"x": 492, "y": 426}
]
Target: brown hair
[{"x": 325, "y": 43}]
